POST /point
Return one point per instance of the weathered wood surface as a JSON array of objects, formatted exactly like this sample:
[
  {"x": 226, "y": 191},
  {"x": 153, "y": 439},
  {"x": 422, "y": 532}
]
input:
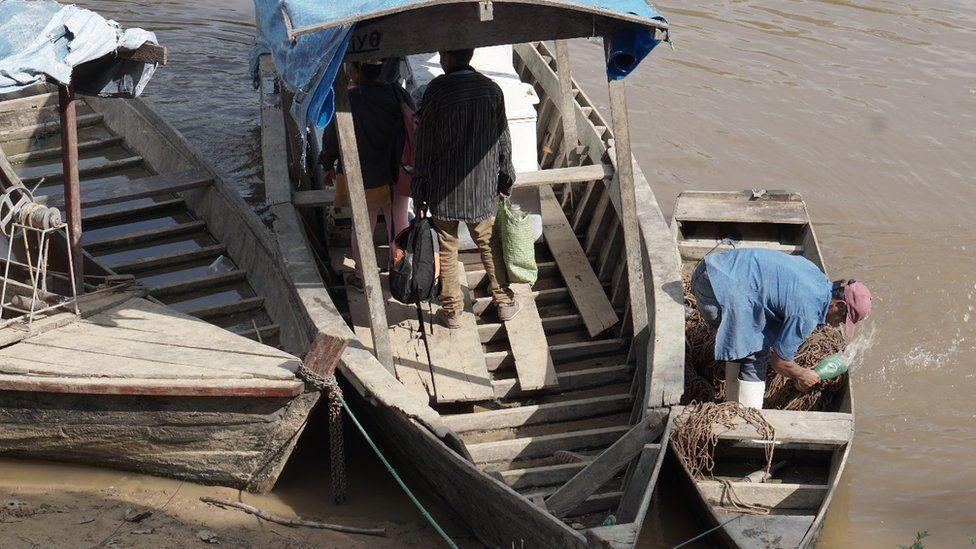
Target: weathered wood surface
[
  {"x": 555, "y": 176},
  {"x": 697, "y": 248},
  {"x": 112, "y": 192},
  {"x": 53, "y": 127},
  {"x": 539, "y": 413},
  {"x": 456, "y": 356},
  {"x": 642, "y": 478},
  {"x": 544, "y": 445},
  {"x": 229, "y": 441},
  {"x": 105, "y": 167},
  {"x": 533, "y": 364},
  {"x": 584, "y": 286},
  {"x": 735, "y": 208},
  {"x": 605, "y": 466},
  {"x": 833, "y": 428},
  {"x": 772, "y": 495},
  {"x": 772, "y": 530}
]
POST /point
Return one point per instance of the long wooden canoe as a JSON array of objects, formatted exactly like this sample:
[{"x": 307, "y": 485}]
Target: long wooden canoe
[
  {"x": 191, "y": 372},
  {"x": 815, "y": 445},
  {"x": 570, "y": 459}
]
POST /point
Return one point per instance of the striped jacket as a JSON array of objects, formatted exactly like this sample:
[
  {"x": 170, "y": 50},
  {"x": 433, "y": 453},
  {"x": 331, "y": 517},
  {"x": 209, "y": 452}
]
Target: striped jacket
[{"x": 463, "y": 151}]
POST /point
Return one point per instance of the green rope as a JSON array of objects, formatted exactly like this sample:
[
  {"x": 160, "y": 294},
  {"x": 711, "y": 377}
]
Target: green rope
[{"x": 393, "y": 472}]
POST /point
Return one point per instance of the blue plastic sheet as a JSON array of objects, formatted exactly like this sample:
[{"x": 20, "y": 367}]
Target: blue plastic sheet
[
  {"x": 308, "y": 64},
  {"x": 44, "y": 41}
]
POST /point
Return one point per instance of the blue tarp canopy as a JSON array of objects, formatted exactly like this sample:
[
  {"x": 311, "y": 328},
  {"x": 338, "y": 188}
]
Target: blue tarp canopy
[
  {"x": 43, "y": 41},
  {"x": 308, "y": 39}
]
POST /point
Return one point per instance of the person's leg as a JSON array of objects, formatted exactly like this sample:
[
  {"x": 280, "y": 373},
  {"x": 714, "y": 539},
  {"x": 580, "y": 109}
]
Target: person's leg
[
  {"x": 492, "y": 259},
  {"x": 447, "y": 237},
  {"x": 752, "y": 379},
  {"x": 401, "y": 206},
  {"x": 701, "y": 288}
]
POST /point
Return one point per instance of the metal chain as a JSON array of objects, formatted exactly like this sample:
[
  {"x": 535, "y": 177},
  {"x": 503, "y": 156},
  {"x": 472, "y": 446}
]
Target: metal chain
[{"x": 336, "y": 442}]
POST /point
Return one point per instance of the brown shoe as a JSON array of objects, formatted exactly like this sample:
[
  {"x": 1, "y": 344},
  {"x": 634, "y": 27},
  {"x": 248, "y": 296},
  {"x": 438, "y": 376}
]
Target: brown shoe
[
  {"x": 448, "y": 318},
  {"x": 508, "y": 311}
]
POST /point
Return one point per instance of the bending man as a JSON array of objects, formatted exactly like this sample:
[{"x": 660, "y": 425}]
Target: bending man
[{"x": 764, "y": 304}]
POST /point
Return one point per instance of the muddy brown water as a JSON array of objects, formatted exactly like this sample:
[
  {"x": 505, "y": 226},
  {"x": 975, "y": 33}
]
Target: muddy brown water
[{"x": 867, "y": 107}]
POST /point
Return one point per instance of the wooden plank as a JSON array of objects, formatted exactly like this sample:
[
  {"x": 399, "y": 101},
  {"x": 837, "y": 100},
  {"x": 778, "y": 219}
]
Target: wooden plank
[
  {"x": 109, "y": 192},
  {"x": 539, "y": 413},
  {"x": 145, "y": 237},
  {"x": 831, "y": 428},
  {"x": 583, "y": 285},
  {"x": 642, "y": 478},
  {"x": 364, "y": 235},
  {"x": 87, "y": 171},
  {"x": 546, "y": 475},
  {"x": 544, "y": 445},
  {"x": 30, "y": 102},
  {"x": 174, "y": 289},
  {"x": 595, "y": 503},
  {"x": 570, "y": 495},
  {"x": 569, "y": 381},
  {"x": 555, "y": 176},
  {"x": 212, "y": 312},
  {"x": 54, "y": 152},
  {"x": 567, "y": 103},
  {"x": 493, "y": 331},
  {"x": 697, "y": 248},
  {"x": 409, "y": 349},
  {"x": 618, "y": 536},
  {"x": 530, "y": 348},
  {"x": 153, "y": 387},
  {"x": 278, "y": 184},
  {"x": 598, "y": 221},
  {"x": 772, "y": 495},
  {"x": 164, "y": 208},
  {"x": 324, "y": 355},
  {"x": 310, "y": 199},
  {"x": 166, "y": 261},
  {"x": 628, "y": 205},
  {"x": 456, "y": 356},
  {"x": 740, "y": 210},
  {"x": 52, "y": 128}
]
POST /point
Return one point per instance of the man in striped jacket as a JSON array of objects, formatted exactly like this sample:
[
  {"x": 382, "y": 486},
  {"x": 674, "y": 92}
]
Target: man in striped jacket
[{"x": 463, "y": 158}]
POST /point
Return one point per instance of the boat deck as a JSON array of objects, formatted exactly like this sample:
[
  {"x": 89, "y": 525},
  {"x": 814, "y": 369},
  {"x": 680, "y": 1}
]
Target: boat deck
[{"x": 135, "y": 219}]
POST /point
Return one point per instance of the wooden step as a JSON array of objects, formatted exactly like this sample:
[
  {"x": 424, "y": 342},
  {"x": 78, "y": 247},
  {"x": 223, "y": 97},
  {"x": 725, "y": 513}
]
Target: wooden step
[
  {"x": 144, "y": 237},
  {"x": 697, "y": 248},
  {"x": 821, "y": 428},
  {"x": 555, "y": 176},
  {"x": 544, "y": 297},
  {"x": 773, "y": 495},
  {"x": 545, "y": 475},
  {"x": 539, "y": 413},
  {"x": 166, "y": 261},
  {"x": 86, "y": 171},
  {"x": 562, "y": 352},
  {"x": 494, "y": 331},
  {"x": 55, "y": 152},
  {"x": 597, "y": 502},
  {"x": 476, "y": 273},
  {"x": 51, "y": 128},
  {"x": 543, "y": 445},
  {"x": 135, "y": 213},
  {"x": 211, "y": 312},
  {"x": 112, "y": 192},
  {"x": 263, "y": 334},
  {"x": 568, "y": 381},
  {"x": 169, "y": 291},
  {"x": 738, "y": 207}
]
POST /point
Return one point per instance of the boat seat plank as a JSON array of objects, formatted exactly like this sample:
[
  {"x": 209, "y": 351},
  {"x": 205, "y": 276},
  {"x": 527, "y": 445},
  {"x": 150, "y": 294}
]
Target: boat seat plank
[
  {"x": 86, "y": 171},
  {"x": 54, "y": 152},
  {"x": 828, "y": 428},
  {"x": 143, "y": 237},
  {"x": 568, "y": 381},
  {"x": 773, "y": 495},
  {"x": 545, "y": 475},
  {"x": 736, "y": 208},
  {"x": 697, "y": 248},
  {"x": 165, "y": 261},
  {"x": 182, "y": 287},
  {"x": 773, "y": 530},
  {"x": 584, "y": 286},
  {"x": 539, "y": 413},
  {"x": 155, "y": 210},
  {"x": 527, "y": 339},
  {"x": 456, "y": 356},
  {"x": 82, "y": 121},
  {"x": 111, "y": 192},
  {"x": 153, "y": 387},
  {"x": 555, "y": 176},
  {"x": 544, "y": 445}
]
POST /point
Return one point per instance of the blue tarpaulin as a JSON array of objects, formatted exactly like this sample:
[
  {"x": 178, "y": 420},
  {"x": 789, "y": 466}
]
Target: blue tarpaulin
[
  {"x": 43, "y": 41},
  {"x": 308, "y": 62}
]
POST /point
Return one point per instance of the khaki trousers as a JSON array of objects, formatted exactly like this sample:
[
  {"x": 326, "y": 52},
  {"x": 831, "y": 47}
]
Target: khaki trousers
[{"x": 491, "y": 258}]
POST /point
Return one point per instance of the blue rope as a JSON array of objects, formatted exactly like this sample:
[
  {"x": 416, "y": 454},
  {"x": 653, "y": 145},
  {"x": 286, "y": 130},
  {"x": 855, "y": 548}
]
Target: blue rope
[{"x": 416, "y": 502}]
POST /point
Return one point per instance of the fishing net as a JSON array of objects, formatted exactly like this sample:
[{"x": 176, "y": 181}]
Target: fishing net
[{"x": 705, "y": 377}]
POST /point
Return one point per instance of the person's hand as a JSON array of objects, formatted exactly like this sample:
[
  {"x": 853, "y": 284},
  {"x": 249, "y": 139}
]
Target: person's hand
[
  {"x": 807, "y": 378},
  {"x": 502, "y": 196}
]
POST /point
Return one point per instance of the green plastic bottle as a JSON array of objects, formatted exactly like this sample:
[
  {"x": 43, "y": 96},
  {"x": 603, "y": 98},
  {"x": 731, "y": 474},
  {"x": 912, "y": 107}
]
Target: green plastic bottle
[{"x": 831, "y": 366}]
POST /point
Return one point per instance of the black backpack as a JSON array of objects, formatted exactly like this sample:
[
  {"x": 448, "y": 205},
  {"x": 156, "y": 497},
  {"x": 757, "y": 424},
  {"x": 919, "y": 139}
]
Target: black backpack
[{"x": 412, "y": 279}]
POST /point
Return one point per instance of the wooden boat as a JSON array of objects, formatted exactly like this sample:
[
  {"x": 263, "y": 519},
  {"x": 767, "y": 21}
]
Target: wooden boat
[
  {"x": 181, "y": 373},
  {"x": 815, "y": 445},
  {"x": 551, "y": 447}
]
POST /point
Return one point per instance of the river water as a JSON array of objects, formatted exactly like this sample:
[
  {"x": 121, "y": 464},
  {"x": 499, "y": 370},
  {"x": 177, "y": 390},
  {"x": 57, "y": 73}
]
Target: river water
[{"x": 866, "y": 107}]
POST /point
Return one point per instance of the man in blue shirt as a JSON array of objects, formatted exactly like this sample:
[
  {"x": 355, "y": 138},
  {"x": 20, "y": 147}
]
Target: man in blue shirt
[{"x": 764, "y": 304}]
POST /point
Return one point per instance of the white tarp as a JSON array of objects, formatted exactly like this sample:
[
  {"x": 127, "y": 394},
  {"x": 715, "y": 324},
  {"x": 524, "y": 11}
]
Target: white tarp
[{"x": 41, "y": 40}]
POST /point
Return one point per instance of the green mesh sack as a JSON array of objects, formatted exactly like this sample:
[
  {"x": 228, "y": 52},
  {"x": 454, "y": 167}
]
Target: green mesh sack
[{"x": 514, "y": 230}]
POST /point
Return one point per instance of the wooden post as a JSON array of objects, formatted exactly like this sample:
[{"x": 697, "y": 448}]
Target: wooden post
[
  {"x": 567, "y": 103},
  {"x": 349, "y": 152},
  {"x": 72, "y": 183},
  {"x": 628, "y": 205}
]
